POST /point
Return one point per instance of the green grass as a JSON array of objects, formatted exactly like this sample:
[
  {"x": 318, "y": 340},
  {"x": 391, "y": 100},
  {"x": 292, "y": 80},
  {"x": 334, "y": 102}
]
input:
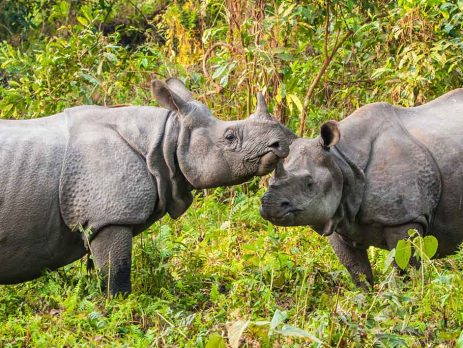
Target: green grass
[{"x": 221, "y": 265}]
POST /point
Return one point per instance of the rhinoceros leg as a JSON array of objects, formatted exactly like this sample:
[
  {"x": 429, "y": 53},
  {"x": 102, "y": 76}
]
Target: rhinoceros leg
[
  {"x": 354, "y": 259},
  {"x": 112, "y": 251}
]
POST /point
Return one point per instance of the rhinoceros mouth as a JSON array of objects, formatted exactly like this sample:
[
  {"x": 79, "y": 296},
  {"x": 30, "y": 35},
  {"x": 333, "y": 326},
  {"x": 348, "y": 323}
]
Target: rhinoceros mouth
[
  {"x": 281, "y": 217},
  {"x": 267, "y": 163}
]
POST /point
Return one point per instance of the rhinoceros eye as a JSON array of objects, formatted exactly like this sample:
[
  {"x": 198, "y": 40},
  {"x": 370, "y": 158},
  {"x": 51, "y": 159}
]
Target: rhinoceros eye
[
  {"x": 230, "y": 136},
  {"x": 309, "y": 182}
]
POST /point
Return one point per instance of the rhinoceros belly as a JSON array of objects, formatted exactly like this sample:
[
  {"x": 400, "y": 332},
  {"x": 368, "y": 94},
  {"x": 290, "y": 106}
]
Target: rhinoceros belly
[{"x": 33, "y": 236}]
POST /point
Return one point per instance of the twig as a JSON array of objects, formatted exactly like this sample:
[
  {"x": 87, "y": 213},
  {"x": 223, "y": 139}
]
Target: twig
[
  {"x": 326, "y": 62},
  {"x": 218, "y": 88},
  {"x": 327, "y": 27}
]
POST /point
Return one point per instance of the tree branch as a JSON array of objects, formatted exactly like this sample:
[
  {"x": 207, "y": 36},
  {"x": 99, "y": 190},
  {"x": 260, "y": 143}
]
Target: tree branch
[
  {"x": 327, "y": 27},
  {"x": 326, "y": 62},
  {"x": 218, "y": 88}
]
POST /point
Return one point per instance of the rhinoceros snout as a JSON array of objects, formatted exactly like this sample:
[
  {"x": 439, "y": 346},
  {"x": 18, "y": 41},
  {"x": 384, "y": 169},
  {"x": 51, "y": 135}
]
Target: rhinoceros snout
[
  {"x": 267, "y": 163},
  {"x": 276, "y": 210},
  {"x": 279, "y": 149}
]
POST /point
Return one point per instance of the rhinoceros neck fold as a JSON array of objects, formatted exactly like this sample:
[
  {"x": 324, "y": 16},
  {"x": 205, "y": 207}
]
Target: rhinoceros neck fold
[
  {"x": 352, "y": 192},
  {"x": 120, "y": 167},
  {"x": 174, "y": 191},
  {"x": 154, "y": 134}
]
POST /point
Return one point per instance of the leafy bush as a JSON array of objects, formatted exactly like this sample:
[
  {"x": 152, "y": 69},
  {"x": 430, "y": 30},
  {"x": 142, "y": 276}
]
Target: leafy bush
[{"x": 221, "y": 274}]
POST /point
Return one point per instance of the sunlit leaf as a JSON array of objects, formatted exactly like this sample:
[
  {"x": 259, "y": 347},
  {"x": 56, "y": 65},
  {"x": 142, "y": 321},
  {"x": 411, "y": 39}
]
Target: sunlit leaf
[
  {"x": 292, "y": 331},
  {"x": 278, "y": 318},
  {"x": 403, "y": 253},
  {"x": 215, "y": 340},
  {"x": 235, "y": 331},
  {"x": 295, "y": 99},
  {"x": 82, "y": 20},
  {"x": 430, "y": 245},
  {"x": 459, "y": 343}
]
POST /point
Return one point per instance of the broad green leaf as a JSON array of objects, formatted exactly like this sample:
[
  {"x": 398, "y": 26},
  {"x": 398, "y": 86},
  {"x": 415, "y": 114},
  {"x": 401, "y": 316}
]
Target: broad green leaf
[
  {"x": 430, "y": 246},
  {"x": 292, "y": 331},
  {"x": 89, "y": 78},
  {"x": 390, "y": 257},
  {"x": 260, "y": 323},
  {"x": 295, "y": 99},
  {"x": 403, "y": 252},
  {"x": 219, "y": 71},
  {"x": 235, "y": 331},
  {"x": 278, "y": 318},
  {"x": 460, "y": 341},
  {"x": 82, "y": 20},
  {"x": 215, "y": 340},
  {"x": 111, "y": 57},
  {"x": 285, "y": 56},
  {"x": 412, "y": 232}
]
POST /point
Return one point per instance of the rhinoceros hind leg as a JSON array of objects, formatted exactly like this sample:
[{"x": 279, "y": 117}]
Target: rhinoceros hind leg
[
  {"x": 112, "y": 252},
  {"x": 355, "y": 260}
]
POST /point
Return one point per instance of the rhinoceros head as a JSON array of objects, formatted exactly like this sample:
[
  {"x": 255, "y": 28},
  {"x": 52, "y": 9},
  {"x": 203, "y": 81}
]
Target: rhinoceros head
[
  {"x": 307, "y": 187},
  {"x": 215, "y": 153}
]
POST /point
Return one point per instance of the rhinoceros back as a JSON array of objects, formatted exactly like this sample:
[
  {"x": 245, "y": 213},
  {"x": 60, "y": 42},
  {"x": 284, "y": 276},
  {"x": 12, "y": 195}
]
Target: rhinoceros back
[{"x": 31, "y": 157}]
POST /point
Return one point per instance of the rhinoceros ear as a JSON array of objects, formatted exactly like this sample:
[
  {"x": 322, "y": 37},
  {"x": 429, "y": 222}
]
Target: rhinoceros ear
[
  {"x": 329, "y": 134},
  {"x": 261, "y": 113},
  {"x": 167, "y": 98},
  {"x": 179, "y": 88}
]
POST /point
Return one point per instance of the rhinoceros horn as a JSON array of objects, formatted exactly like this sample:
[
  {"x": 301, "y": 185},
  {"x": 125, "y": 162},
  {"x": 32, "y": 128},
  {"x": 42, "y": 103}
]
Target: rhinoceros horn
[
  {"x": 261, "y": 104},
  {"x": 261, "y": 113}
]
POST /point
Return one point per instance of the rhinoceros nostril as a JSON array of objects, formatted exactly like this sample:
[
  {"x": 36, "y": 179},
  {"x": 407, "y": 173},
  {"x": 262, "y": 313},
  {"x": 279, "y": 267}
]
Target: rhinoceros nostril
[{"x": 285, "y": 205}]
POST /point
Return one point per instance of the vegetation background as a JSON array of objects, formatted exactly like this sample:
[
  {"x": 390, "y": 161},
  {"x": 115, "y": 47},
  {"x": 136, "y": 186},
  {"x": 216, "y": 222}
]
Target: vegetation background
[{"x": 220, "y": 275}]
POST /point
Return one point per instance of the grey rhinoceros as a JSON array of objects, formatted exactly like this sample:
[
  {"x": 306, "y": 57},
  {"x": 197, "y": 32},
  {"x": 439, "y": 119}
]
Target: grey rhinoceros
[
  {"x": 115, "y": 171},
  {"x": 368, "y": 179}
]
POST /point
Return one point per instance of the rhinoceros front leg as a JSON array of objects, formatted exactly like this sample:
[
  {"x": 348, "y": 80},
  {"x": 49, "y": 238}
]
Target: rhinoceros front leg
[
  {"x": 354, "y": 259},
  {"x": 112, "y": 252}
]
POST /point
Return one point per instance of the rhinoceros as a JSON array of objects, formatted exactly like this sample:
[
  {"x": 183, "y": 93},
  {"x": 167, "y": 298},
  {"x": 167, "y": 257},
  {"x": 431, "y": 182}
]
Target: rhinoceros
[
  {"x": 114, "y": 171},
  {"x": 368, "y": 179}
]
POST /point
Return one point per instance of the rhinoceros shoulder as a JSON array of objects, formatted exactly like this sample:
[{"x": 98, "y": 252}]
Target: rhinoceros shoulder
[{"x": 104, "y": 180}]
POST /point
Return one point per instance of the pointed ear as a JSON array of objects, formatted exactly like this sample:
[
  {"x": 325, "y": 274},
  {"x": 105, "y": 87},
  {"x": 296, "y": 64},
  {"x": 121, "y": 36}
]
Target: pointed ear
[
  {"x": 166, "y": 97},
  {"x": 179, "y": 88},
  {"x": 329, "y": 134},
  {"x": 262, "y": 113}
]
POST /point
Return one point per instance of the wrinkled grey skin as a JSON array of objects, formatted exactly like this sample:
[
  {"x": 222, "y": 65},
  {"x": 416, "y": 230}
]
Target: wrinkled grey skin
[
  {"x": 369, "y": 178},
  {"x": 115, "y": 171}
]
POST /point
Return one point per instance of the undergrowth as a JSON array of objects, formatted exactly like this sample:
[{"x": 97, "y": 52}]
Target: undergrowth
[
  {"x": 221, "y": 275},
  {"x": 220, "y": 266}
]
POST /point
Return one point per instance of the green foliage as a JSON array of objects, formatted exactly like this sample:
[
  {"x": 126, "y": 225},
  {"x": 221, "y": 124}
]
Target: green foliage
[
  {"x": 220, "y": 270},
  {"x": 220, "y": 274},
  {"x": 424, "y": 249},
  {"x": 403, "y": 253}
]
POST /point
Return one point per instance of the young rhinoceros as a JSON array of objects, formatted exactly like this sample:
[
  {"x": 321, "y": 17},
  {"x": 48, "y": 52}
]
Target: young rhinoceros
[
  {"x": 368, "y": 179},
  {"x": 115, "y": 171}
]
